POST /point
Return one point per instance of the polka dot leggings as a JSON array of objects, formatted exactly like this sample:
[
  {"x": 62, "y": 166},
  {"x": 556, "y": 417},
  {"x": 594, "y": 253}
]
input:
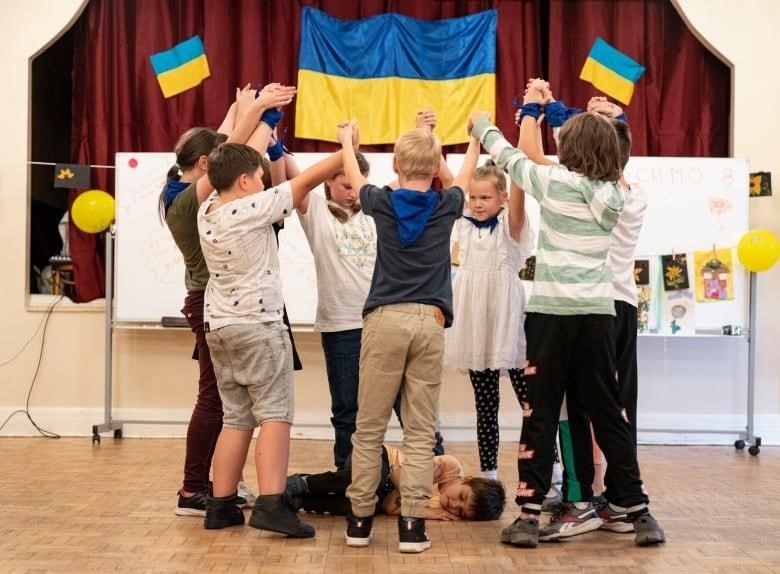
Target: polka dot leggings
[{"x": 486, "y": 399}]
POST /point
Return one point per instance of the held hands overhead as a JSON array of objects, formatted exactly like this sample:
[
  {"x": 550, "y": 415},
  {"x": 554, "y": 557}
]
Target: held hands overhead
[
  {"x": 276, "y": 95},
  {"x": 348, "y": 132},
  {"x": 475, "y": 117},
  {"x": 425, "y": 118},
  {"x": 601, "y": 105}
]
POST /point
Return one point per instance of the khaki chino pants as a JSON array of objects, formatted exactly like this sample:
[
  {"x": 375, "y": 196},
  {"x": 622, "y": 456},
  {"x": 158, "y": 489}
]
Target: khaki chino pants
[{"x": 401, "y": 349}]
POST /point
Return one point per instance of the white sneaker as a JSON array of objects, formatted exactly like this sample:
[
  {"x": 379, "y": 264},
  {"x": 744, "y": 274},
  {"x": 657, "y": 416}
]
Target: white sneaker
[{"x": 245, "y": 493}]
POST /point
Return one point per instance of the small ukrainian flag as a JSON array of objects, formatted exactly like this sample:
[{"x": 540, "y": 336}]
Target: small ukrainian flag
[
  {"x": 611, "y": 71},
  {"x": 182, "y": 67}
]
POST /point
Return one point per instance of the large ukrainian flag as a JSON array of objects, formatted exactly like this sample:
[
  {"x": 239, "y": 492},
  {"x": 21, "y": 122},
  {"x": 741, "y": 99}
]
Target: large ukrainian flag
[
  {"x": 182, "y": 67},
  {"x": 611, "y": 71},
  {"x": 382, "y": 69}
]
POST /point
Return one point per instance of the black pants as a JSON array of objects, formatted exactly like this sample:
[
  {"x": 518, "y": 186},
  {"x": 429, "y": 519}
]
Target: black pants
[
  {"x": 578, "y": 471},
  {"x": 625, "y": 352},
  {"x": 327, "y": 490},
  {"x": 574, "y": 355}
]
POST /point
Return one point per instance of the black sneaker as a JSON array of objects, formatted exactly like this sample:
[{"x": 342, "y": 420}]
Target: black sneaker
[
  {"x": 223, "y": 512},
  {"x": 359, "y": 530},
  {"x": 412, "y": 536},
  {"x": 522, "y": 532},
  {"x": 272, "y": 512},
  {"x": 648, "y": 531},
  {"x": 195, "y": 505}
]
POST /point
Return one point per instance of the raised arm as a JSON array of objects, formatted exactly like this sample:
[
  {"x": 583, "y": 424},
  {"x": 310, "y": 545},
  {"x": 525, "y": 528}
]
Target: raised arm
[
  {"x": 313, "y": 176},
  {"x": 346, "y": 134},
  {"x": 426, "y": 118},
  {"x": 271, "y": 97},
  {"x": 532, "y": 178},
  {"x": 466, "y": 172}
]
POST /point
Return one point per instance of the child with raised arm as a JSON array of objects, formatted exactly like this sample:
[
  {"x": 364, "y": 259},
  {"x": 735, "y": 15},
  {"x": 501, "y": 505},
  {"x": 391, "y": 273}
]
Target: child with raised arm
[
  {"x": 407, "y": 309},
  {"x": 486, "y": 336},
  {"x": 179, "y": 200},
  {"x": 250, "y": 345},
  {"x": 342, "y": 239},
  {"x": 584, "y": 470},
  {"x": 570, "y": 317},
  {"x": 455, "y": 494}
]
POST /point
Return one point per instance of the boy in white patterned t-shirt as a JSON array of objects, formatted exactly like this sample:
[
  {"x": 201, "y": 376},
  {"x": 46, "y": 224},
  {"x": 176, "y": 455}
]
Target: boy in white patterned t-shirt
[{"x": 249, "y": 342}]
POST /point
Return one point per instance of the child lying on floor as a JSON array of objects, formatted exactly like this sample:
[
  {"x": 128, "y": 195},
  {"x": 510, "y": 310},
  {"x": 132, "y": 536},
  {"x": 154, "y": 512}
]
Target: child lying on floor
[{"x": 455, "y": 495}]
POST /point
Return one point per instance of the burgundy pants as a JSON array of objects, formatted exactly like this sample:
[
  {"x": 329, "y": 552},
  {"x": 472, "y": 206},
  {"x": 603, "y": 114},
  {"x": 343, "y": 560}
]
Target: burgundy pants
[{"x": 206, "y": 420}]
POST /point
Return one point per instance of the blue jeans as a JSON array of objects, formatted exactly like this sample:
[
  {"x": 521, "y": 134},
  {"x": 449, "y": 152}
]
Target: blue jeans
[{"x": 342, "y": 361}]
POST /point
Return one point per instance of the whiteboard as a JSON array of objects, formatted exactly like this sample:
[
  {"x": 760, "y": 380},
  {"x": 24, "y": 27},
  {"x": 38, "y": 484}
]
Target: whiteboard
[
  {"x": 693, "y": 204},
  {"x": 148, "y": 267}
]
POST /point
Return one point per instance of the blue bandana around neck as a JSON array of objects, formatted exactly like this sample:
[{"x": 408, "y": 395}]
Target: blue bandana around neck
[
  {"x": 412, "y": 209},
  {"x": 491, "y": 223},
  {"x": 172, "y": 189}
]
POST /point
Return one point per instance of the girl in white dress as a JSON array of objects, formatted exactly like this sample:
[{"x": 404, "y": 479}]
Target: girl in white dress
[{"x": 487, "y": 335}]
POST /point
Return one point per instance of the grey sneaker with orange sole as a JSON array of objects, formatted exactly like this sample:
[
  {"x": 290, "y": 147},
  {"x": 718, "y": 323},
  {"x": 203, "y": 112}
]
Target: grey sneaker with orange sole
[{"x": 614, "y": 520}]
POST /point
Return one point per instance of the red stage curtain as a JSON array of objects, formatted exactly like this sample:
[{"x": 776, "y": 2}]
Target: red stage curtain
[{"x": 681, "y": 103}]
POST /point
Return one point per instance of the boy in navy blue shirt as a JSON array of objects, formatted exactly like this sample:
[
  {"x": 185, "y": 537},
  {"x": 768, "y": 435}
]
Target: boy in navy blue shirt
[{"x": 408, "y": 307}]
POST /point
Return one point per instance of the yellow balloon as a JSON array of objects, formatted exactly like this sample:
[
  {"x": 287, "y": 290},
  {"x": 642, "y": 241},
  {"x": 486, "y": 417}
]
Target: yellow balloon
[
  {"x": 93, "y": 211},
  {"x": 758, "y": 250}
]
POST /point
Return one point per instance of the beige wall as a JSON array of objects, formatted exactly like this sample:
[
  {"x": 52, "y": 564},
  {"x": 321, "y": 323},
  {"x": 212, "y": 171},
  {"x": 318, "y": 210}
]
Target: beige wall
[{"x": 154, "y": 377}]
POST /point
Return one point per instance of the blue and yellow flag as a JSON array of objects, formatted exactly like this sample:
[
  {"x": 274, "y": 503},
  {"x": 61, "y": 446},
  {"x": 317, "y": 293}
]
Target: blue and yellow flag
[
  {"x": 182, "y": 67},
  {"x": 383, "y": 69},
  {"x": 611, "y": 71}
]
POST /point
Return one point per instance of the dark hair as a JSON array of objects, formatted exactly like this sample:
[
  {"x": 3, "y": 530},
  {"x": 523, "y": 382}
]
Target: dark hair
[
  {"x": 588, "y": 144},
  {"x": 624, "y": 139},
  {"x": 341, "y": 215},
  {"x": 489, "y": 498},
  {"x": 193, "y": 144},
  {"x": 228, "y": 162}
]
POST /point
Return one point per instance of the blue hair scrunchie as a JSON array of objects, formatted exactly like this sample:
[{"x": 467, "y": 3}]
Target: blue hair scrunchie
[{"x": 271, "y": 116}]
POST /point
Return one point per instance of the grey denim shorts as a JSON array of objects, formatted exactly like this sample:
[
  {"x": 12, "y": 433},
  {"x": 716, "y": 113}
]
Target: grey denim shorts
[{"x": 254, "y": 367}]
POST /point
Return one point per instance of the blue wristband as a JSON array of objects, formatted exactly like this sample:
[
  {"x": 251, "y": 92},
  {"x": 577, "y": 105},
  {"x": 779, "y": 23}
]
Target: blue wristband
[
  {"x": 622, "y": 117},
  {"x": 556, "y": 113},
  {"x": 277, "y": 150},
  {"x": 531, "y": 109},
  {"x": 271, "y": 116}
]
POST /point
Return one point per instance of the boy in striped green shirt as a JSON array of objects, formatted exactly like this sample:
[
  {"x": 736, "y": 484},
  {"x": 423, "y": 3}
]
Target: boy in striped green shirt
[{"x": 569, "y": 325}]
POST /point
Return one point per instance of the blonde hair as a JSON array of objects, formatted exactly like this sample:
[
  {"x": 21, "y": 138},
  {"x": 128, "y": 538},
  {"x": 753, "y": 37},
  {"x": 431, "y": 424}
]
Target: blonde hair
[
  {"x": 491, "y": 172},
  {"x": 417, "y": 154}
]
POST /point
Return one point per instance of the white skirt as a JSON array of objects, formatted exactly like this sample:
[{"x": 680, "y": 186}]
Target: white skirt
[{"x": 487, "y": 329}]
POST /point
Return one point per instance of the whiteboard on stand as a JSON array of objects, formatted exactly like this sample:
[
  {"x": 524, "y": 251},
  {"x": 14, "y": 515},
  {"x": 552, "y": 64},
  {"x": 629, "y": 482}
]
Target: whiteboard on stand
[{"x": 149, "y": 270}]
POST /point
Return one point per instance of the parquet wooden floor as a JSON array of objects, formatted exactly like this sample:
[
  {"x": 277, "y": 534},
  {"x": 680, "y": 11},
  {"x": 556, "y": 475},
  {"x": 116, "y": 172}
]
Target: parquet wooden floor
[{"x": 67, "y": 506}]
